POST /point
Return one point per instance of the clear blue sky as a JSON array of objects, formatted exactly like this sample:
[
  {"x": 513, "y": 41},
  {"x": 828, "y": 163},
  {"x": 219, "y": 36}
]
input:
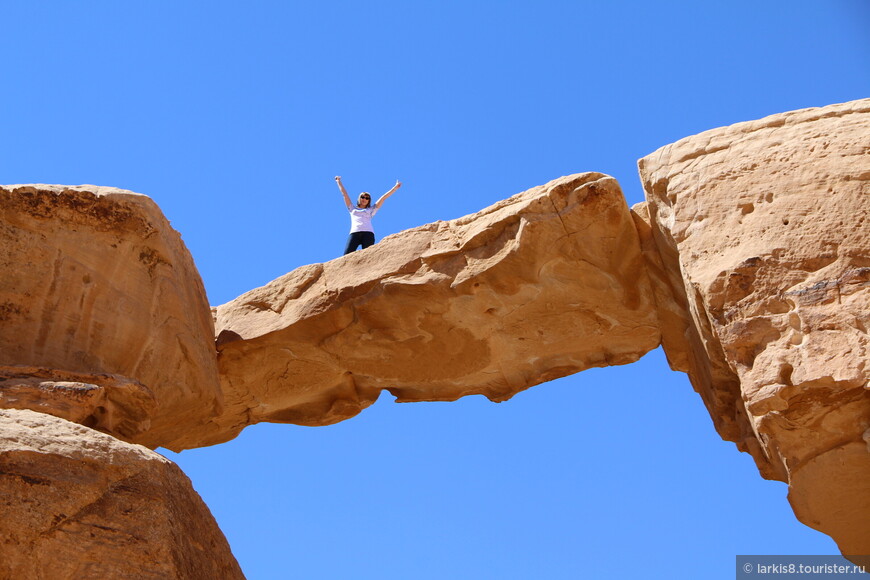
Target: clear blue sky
[{"x": 235, "y": 116}]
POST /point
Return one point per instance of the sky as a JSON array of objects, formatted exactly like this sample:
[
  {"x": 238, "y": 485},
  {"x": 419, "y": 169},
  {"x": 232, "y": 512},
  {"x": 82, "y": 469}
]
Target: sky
[{"x": 235, "y": 117}]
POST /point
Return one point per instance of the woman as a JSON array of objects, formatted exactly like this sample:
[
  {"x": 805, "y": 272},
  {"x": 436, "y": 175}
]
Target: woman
[{"x": 361, "y": 231}]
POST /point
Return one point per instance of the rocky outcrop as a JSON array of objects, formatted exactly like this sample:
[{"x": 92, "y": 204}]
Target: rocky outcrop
[
  {"x": 96, "y": 282},
  {"x": 763, "y": 234},
  {"x": 539, "y": 286},
  {"x": 80, "y": 504},
  {"x": 748, "y": 262}
]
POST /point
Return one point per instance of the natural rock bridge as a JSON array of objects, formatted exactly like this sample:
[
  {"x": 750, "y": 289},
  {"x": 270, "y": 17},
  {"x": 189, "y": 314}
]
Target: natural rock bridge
[{"x": 748, "y": 262}]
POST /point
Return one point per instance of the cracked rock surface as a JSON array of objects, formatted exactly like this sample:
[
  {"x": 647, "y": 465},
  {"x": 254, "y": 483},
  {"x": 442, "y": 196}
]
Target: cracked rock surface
[{"x": 81, "y": 504}]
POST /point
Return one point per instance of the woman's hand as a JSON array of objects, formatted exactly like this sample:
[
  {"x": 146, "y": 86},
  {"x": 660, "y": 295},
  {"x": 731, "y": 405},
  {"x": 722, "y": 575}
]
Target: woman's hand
[
  {"x": 338, "y": 178},
  {"x": 398, "y": 184}
]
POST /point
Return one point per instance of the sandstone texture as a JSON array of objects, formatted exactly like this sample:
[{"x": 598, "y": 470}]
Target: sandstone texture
[
  {"x": 105, "y": 402},
  {"x": 79, "y": 504},
  {"x": 749, "y": 262},
  {"x": 763, "y": 281},
  {"x": 544, "y": 284},
  {"x": 95, "y": 281}
]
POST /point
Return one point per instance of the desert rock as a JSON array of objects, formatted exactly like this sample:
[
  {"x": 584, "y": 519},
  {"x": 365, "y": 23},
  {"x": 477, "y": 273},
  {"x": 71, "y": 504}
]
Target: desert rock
[
  {"x": 763, "y": 231},
  {"x": 544, "y": 284},
  {"x": 96, "y": 281},
  {"x": 80, "y": 504},
  {"x": 110, "y": 403},
  {"x": 748, "y": 262}
]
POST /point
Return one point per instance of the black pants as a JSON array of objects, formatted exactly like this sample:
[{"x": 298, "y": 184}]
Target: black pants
[{"x": 357, "y": 239}]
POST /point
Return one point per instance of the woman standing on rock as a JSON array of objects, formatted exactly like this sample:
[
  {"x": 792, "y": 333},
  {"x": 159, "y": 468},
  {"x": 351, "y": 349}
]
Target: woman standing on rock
[{"x": 361, "y": 231}]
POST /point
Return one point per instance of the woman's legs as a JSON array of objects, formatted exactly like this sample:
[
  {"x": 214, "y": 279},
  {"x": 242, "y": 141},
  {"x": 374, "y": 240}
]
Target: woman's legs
[
  {"x": 357, "y": 239},
  {"x": 367, "y": 239},
  {"x": 352, "y": 243}
]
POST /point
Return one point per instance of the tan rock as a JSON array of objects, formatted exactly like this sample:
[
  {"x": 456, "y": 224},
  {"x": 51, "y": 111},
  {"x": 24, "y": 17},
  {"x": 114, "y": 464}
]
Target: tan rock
[
  {"x": 764, "y": 235},
  {"x": 539, "y": 286},
  {"x": 80, "y": 504},
  {"x": 673, "y": 314},
  {"x": 96, "y": 281},
  {"x": 108, "y": 403}
]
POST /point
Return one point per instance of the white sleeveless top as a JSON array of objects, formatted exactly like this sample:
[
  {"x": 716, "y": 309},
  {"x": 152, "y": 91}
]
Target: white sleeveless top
[{"x": 361, "y": 219}]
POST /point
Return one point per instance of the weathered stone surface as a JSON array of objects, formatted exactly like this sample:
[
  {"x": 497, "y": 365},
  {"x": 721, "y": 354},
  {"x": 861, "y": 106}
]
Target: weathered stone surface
[
  {"x": 672, "y": 314},
  {"x": 80, "y": 504},
  {"x": 764, "y": 234},
  {"x": 108, "y": 403},
  {"x": 750, "y": 262},
  {"x": 539, "y": 286},
  {"x": 96, "y": 281}
]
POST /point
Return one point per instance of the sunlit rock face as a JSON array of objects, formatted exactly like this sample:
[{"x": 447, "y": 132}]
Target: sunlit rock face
[
  {"x": 78, "y": 503},
  {"x": 96, "y": 282},
  {"x": 763, "y": 233},
  {"x": 544, "y": 284},
  {"x": 749, "y": 262},
  {"x": 109, "y": 403}
]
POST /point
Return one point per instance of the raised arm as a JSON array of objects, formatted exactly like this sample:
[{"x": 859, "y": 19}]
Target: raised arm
[
  {"x": 347, "y": 201},
  {"x": 384, "y": 197}
]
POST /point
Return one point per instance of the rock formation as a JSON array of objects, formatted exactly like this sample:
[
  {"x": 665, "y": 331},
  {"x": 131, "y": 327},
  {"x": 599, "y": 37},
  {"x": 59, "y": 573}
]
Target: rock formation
[
  {"x": 96, "y": 282},
  {"x": 109, "y": 403},
  {"x": 763, "y": 232},
  {"x": 544, "y": 284},
  {"x": 748, "y": 262},
  {"x": 81, "y": 504}
]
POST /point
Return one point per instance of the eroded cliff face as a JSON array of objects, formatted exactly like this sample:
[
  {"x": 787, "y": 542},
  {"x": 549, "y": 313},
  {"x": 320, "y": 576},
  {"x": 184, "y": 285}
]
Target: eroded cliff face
[
  {"x": 81, "y": 504},
  {"x": 763, "y": 231},
  {"x": 544, "y": 284},
  {"x": 104, "y": 323},
  {"x": 101, "y": 301}
]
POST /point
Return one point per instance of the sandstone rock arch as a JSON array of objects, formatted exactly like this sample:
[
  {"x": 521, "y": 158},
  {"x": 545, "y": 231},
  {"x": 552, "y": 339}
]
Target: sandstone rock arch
[{"x": 748, "y": 262}]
